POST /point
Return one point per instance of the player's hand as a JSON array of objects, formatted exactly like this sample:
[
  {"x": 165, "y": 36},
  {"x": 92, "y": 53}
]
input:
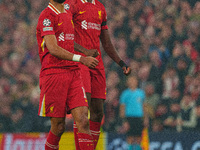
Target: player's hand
[
  {"x": 89, "y": 61},
  {"x": 126, "y": 70},
  {"x": 92, "y": 52}
]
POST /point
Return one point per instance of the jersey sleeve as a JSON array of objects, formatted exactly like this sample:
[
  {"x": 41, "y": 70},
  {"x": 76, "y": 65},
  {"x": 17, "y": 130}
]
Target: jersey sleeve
[
  {"x": 104, "y": 19},
  {"x": 46, "y": 25}
]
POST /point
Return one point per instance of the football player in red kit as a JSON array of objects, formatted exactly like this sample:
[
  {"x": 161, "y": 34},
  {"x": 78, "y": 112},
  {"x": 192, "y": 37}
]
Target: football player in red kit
[
  {"x": 89, "y": 17},
  {"x": 60, "y": 81}
]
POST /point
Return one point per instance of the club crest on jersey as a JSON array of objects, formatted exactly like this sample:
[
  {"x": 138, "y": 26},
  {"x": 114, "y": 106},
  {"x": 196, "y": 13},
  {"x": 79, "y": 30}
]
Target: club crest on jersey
[
  {"x": 66, "y": 6},
  {"x": 46, "y": 22}
]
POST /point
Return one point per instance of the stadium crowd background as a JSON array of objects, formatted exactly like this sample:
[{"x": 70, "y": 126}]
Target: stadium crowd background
[{"x": 160, "y": 40}]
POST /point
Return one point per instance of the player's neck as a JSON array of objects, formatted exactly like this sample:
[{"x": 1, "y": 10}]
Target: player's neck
[
  {"x": 90, "y": 1},
  {"x": 58, "y": 6},
  {"x": 133, "y": 88}
]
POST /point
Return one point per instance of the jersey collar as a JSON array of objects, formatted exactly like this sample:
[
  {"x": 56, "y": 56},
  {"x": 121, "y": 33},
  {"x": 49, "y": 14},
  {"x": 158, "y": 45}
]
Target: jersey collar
[
  {"x": 85, "y": 1},
  {"x": 54, "y": 9}
]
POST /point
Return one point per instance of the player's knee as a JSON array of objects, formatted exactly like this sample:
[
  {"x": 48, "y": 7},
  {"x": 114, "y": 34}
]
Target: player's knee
[
  {"x": 97, "y": 116},
  {"x": 61, "y": 128},
  {"x": 83, "y": 124}
]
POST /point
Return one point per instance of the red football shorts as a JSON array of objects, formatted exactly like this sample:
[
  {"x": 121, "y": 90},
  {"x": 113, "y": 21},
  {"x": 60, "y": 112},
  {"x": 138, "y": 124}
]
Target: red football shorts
[
  {"x": 60, "y": 93},
  {"x": 94, "y": 82}
]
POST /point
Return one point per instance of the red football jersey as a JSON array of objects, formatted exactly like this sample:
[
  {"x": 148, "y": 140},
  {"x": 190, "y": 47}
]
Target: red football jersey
[
  {"x": 53, "y": 22},
  {"x": 89, "y": 19}
]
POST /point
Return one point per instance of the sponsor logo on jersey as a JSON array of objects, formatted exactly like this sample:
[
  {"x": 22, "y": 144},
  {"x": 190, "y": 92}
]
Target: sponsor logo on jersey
[
  {"x": 89, "y": 25},
  {"x": 63, "y": 37},
  {"x": 66, "y": 6},
  {"x": 69, "y": 36},
  {"x": 84, "y": 24},
  {"x": 46, "y": 22}
]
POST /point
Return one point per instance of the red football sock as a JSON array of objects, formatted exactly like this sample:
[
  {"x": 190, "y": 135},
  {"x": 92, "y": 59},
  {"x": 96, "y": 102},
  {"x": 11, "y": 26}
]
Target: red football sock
[
  {"x": 95, "y": 131},
  {"x": 85, "y": 141},
  {"x": 76, "y": 136},
  {"x": 52, "y": 142}
]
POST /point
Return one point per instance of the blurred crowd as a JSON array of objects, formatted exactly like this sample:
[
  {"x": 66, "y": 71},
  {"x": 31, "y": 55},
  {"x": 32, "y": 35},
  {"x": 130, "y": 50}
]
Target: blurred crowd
[{"x": 159, "y": 39}]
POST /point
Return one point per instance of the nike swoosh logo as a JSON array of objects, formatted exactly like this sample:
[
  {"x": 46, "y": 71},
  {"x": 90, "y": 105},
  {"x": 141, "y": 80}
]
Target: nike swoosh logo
[
  {"x": 60, "y": 23},
  {"x": 81, "y": 12}
]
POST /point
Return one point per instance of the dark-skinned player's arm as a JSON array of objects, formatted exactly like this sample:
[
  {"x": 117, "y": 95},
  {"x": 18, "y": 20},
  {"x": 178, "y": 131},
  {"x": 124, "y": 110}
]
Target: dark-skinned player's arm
[
  {"x": 57, "y": 51},
  {"x": 81, "y": 49},
  {"x": 110, "y": 50}
]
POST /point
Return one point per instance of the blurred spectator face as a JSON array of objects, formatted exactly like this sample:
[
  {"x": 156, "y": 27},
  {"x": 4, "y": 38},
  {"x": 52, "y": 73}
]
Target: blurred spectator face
[
  {"x": 112, "y": 95},
  {"x": 166, "y": 32},
  {"x": 138, "y": 53},
  {"x": 15, "y": 61},
  {"x": 123, "y": 3},
  {"x": 179, "y": 27},
  {"x": 188, "y": 80},
  {"x": 187, "y": 99},
  {"x": 121, "y": 44},
  {"x": 187, "y": 47},
  {"x": 149, "y": 89},
  {"x": 143, "y": 73},
  {"x": 134, "y": 65},
  {"x": 181, "y": 64},
  {"x": 171, "y": 72},
  {"x": 197, "y": 8},
  {"x": 107, "y": 60},
  {"x": 18, "y": 115},
  {"x": 35, "y": 96},
  {"x": 161, "y": 109},
  {"x": 178, "y": 50},
  {"x": 5, "y": 110},
  {"x": 154, "y": 57},
  {"x": 175, "y": 94},
  {"x": 175, "y": 2},
  {"x": 156, "y": 126},
  {"x": 150, "y": 32},
  {"x": 132, "y": 82},
  {"x": 137, "y": 30},
  {"x": 112, "y": 79},
  {"x": 175, "y": 107},
  {"x": 158, "y": 41},
  {"x": 185, "y": 6}
]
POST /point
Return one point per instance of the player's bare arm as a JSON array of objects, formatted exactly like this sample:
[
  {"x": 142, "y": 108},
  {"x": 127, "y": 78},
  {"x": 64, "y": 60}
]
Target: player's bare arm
[
  {"x": 81, "y": 49},
  {"x": 110, "y": 50},
  {"x": 57, "y": 51}
]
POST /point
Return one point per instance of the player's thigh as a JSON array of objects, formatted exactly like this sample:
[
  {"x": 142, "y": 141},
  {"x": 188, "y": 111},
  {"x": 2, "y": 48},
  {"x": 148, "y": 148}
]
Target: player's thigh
[
  {"x": 54, "y": 89},
  {"x": 76, "y": 96},
  {"x": 98, "y": 84}
]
